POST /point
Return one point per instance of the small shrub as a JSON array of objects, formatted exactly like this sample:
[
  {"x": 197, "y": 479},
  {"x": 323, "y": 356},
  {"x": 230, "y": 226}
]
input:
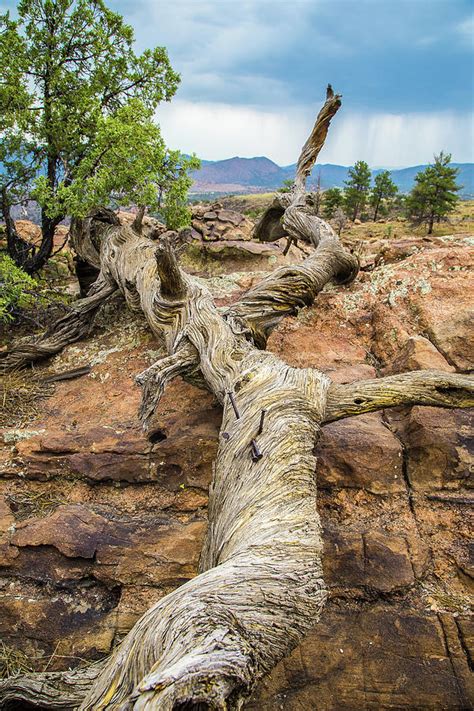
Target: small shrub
[{"x": 16, "y": 288}]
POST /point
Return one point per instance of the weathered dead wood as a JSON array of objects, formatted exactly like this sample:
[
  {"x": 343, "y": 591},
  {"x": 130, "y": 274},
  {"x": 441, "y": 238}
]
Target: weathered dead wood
[
  {"x": 154, "y": 379},
  {"x": 271, "y": 226},
  {"x": 137, "y": 223},
  {"x": 422, "y": 387},
  {"x": 58, "y": 691},
  {"x": 76, "y": 324},
  {"x": 260, "y": 587},
  {"x": 67, "y": 374},
  {"x": 316, "y": 139},
  {"x": 289, "y": 289}
]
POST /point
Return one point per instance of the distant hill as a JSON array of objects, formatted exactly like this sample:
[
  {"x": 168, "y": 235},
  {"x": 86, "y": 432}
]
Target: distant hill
[{"x": 240, "y": 175}]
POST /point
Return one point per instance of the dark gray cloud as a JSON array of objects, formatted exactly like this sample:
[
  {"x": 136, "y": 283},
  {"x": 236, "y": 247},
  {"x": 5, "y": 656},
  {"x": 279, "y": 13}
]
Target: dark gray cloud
[
  {"x": 254, "y": 73},
  {"x": 392, "y": 55}
]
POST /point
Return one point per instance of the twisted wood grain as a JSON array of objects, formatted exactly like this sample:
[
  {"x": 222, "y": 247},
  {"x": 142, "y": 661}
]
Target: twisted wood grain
[{"x": 260, "y": 586}]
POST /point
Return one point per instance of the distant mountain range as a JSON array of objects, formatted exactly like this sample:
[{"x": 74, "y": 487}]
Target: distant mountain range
[{"x": 238, "y": 175}]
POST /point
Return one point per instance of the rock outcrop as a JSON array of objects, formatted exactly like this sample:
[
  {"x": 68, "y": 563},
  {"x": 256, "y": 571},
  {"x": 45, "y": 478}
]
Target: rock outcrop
[
  {"x": 97, "y": 522},
  {"x": 220, "y": 240}
]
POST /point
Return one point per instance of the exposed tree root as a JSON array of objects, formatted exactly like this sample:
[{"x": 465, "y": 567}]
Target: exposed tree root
[
  {"x": 59, "y": 691},
  {"x": 69, "y": 328}
]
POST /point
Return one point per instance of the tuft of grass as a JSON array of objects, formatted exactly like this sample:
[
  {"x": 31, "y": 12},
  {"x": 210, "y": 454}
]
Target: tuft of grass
[
  {"x": 26, "y": 504},
  {"x": 13, "y": 662},
  {"x": 20, "y": 392}
]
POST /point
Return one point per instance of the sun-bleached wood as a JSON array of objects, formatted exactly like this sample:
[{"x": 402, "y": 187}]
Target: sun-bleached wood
[
  {"x": 260, "y": 587},
  {"x": 420, "y": 387}
]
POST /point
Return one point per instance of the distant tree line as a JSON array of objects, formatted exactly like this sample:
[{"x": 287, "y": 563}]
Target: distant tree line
[{"x": 432, "y": 198}]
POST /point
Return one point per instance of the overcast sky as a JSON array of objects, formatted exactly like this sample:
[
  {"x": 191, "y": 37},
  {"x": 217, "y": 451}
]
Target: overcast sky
[{"x": 254, "y": 74}]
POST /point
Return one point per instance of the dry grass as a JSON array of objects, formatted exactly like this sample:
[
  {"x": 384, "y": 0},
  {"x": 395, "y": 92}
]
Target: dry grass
[
  {"x": 26, "y": 504},
  {"x": 461, "y": 221},
  {"x": 20, "y": 393},
  {"x": 13, "y": 662}
]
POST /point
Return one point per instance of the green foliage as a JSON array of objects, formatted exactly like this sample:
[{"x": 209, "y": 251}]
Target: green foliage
[
  {"x": 128, "y": 161},
  {"x": 15, "y": 288},
  {"x": 333, "y": 198},
  {"x": 383, "y": 192},
  {"x": 77, "y": 107},
  {"x": 287, "y": 186},
  {"x": 357, "y": 189},
  {"x": 434, "y": 193}
]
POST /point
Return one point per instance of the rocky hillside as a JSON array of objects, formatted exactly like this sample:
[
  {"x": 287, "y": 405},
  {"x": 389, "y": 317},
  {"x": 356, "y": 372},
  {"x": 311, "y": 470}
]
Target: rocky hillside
[
  {"x": 97, "y": 522},
  {"x": 258, "y": 174}
]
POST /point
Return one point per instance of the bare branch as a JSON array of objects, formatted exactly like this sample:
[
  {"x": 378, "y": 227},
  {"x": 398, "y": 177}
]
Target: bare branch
[
  {"x": 290, "y": 288},
  {"x": 422, "y": 387},
  {"x": 315, "y": 142},
  {"x": 137, "y": 223},
  {"x": 172, "y": 283},
  {"x": 57, "y": 691},
  {"x": 69, "y": 328},
  {"x": 154, "y": 379}
]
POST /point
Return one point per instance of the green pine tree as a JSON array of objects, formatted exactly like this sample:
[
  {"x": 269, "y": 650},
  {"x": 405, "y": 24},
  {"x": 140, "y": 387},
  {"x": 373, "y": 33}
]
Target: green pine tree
[
  {"x": 332, "y": 199},
  {"x": 76, "y": 119},
  {"x": 357, "y": 189},
  {"x": 434, "y": 194},
  {"x": 383, "y": 191}
]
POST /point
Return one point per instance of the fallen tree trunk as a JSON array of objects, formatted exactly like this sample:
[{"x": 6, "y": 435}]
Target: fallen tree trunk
[{"x": 260, "y": 587}]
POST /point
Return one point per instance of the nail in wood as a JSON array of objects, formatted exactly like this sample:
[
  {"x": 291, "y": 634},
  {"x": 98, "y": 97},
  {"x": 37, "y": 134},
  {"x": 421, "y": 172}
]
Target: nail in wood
[
  {"x": 234, "y": 404},
  {"x": 262, "y": 418},
  {"x": 256, "y": 453}
]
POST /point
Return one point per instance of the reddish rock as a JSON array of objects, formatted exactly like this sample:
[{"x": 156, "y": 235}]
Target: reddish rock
[
  {"x": 32, "y": 233},
  {"x": 216, "y": 223},
  {"x": 43, "y": 620},
  {"x": 372, "y": 561},
  {"x": 418, "y": 353},
  {"x": 165, "y": 555},
  {"x": 182, "y": 456},
  {"x": 368, "y": 659},
  {"x": 438, "y": 446},
  {"x": 395, "y": 250},
  {"x": 235, "y": 218},
  {"x": 73, "y": 530},
  {"x": 163, "y": 552},
  {"x": 360, "y": 452}
]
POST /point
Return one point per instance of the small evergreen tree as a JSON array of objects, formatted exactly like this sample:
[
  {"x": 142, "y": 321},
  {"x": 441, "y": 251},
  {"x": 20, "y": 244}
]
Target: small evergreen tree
[
  {"x": 332, "y": 199},
  {"x": 76, "y": 119},
  {"x": 357, "y": 189},
  {"x": 434, "y": 194},
  {"x": 384, "y": 189}
]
